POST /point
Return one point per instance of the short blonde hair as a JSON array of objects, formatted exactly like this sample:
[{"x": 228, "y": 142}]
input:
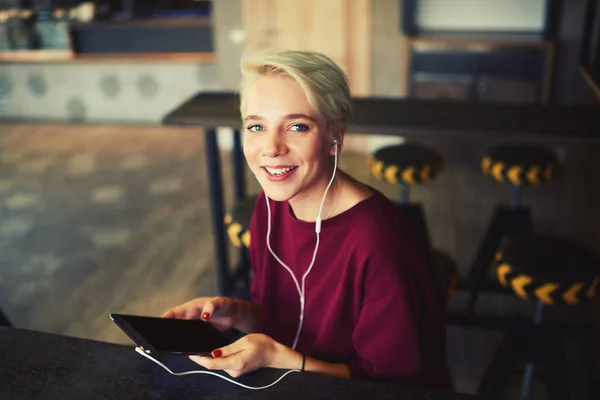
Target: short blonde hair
[{"x": 323, "y": 81}]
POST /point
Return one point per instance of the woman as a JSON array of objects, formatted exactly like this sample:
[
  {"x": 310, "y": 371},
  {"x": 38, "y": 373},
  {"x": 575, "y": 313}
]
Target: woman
[{"x": 351, "y": 299}]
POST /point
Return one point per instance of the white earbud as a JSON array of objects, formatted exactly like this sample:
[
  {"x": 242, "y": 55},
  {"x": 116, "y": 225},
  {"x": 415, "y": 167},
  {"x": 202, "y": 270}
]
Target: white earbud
[{"x": 335, "y": 146}]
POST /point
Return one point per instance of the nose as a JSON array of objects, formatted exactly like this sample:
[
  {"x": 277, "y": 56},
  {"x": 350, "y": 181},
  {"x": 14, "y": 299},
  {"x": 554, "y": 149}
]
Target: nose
[{"x": 274, "y": 145}]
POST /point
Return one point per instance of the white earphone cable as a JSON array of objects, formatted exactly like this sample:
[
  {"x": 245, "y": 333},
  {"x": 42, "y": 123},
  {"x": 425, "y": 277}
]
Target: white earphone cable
[
  {"x": 301, "y": 292},
  {"x": 301, "y": 289},
  {"x": 141, "y": 351}
]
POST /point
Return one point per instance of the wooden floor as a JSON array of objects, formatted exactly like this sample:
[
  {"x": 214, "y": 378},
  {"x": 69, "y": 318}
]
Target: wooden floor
[
  {"x": 140, "y": 230},
  {"x": 100, "y": 219}
]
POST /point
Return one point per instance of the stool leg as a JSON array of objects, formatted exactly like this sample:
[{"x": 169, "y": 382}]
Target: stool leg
[
  {"x": 237, "y": 156},
  {"x": 404, "y": 193},
  {"x": 246, "y": 271},
  {"x": 527, "y": 378},
  {"x": 516, "y": 197},
  {"x": 213, "y": 164},
  {"x": 587, "y": 347},
  {"x": 507, "y": 222},
  {"x": 505, "y": 363},
  {"x": 526, "y": 387},
  {"x": 556, "y": 370},
  {"x": 240, "y": 279}
]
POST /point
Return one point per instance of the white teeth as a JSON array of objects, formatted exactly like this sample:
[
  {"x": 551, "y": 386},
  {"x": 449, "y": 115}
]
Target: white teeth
[{"x": 279, "y": 171}]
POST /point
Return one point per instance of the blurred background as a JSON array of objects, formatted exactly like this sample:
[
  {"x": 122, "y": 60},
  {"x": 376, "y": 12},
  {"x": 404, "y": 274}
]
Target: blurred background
[{"x": 105, "y": 209}]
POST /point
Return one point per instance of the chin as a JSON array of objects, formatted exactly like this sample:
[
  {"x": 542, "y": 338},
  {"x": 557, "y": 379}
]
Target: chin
[{"x": 277, "y": 194}]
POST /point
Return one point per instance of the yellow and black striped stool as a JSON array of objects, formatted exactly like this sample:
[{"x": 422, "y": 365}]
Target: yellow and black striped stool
[
  {"x": 406, "y": 165},
  {"x": 551, "y": 271},
  {"x": 237, "y": 225},
  {"x": 414, "y": 164},
  {"x": 237, "y": 222},
  {"x": 517, "y": 166},
  {"x": 520, "y": 165}
]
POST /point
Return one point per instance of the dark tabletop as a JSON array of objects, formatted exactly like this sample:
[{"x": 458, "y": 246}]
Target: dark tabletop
[
  {"x": 388, "y": 116},
  {"x": 38, "y": 365}
]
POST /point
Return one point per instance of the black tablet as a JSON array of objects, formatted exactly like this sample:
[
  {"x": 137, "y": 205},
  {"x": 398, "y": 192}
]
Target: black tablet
[{"x": 173, "y": 336}]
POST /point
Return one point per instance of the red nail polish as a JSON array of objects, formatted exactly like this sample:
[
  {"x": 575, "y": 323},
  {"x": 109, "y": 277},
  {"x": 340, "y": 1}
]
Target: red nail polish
[
  {"x": 217, "y": 353},
  {"x": 205, "y": 315}
]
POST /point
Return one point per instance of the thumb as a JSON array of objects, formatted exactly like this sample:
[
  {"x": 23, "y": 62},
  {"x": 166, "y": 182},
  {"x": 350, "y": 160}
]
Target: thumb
[{"x": 229, "y": 350}]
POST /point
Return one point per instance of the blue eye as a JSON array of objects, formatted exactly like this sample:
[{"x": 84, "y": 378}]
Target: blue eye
[
  {"x": 300, "y": 128},
  {"x": 255, "y": 128}
]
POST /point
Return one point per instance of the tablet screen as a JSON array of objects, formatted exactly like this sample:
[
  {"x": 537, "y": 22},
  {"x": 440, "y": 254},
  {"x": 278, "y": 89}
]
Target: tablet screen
[{"x": 167, "y": 335}]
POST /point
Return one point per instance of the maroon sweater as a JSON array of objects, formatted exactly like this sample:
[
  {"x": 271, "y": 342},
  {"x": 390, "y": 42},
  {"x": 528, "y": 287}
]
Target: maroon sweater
[{"x": 370, "y": 298}]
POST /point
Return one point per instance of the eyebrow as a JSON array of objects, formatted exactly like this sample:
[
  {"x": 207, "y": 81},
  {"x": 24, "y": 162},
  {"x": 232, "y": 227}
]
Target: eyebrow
[{"x": 287, "y": 117}]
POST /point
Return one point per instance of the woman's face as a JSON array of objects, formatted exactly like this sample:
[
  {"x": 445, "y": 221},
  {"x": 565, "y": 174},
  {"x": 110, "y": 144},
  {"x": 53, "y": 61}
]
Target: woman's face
[{"x": 285, "y": 143}]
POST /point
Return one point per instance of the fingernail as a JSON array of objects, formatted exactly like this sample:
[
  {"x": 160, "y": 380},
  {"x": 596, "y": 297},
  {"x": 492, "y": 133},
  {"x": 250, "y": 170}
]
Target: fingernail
[
  {"x": 205, "y": 315},
  {"x": 217, "y": 353}
]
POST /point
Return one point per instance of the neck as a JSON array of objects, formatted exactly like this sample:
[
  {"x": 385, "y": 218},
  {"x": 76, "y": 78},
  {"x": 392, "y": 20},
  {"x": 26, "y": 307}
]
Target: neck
[{"x": 306, "y": 207}]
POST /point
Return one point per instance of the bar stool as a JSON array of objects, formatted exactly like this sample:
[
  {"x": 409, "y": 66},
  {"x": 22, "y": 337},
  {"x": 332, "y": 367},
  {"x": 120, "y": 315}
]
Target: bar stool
[
  {"x": 410, "y": 164},
  {"x": 406, "y": 165},
  {"x": 237, "y": 225},
  {"x": 237, "y": 222},
  {"x": 518, "y": 166},
  {"x": 551, "y": 271}
]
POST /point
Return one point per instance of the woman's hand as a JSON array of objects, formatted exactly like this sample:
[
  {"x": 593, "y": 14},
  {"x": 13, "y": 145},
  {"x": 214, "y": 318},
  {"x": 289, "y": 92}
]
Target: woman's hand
[
  {"x": 219, "y": 311},
  {"x": 249, "y": 353}
]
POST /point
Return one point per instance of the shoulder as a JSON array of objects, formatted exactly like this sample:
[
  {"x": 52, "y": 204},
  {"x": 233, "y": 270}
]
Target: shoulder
[
  {"x": 386, "y": 244},
  {"x": 382, "y": 233},
  {"x": 381, "y": 221},
  {"x": 380, "y": 239},
  {"x": 371, "y": 209}
]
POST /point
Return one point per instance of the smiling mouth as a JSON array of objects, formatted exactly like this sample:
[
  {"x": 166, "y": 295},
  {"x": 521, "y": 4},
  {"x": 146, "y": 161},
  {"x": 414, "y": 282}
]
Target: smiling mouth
[{"x": 279, "y": 171}]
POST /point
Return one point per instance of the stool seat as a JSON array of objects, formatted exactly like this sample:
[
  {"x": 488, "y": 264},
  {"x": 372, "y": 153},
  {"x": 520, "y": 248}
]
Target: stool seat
[
  {"x": 407, "y": 163},
  {"x": 520, "y": 164},
  {"x": 551, "y": 269},
  {"x": 237, "y": 222}
]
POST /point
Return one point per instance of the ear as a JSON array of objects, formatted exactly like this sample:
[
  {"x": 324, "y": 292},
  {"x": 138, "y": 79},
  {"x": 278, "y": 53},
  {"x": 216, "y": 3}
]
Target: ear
[{"x": 340, "y": 142}]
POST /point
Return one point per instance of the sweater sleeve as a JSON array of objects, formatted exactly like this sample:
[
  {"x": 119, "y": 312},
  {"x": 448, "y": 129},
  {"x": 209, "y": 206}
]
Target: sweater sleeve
[
  {"x": 386, "y": 339},
  {"x": 386, "y": 335}
]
